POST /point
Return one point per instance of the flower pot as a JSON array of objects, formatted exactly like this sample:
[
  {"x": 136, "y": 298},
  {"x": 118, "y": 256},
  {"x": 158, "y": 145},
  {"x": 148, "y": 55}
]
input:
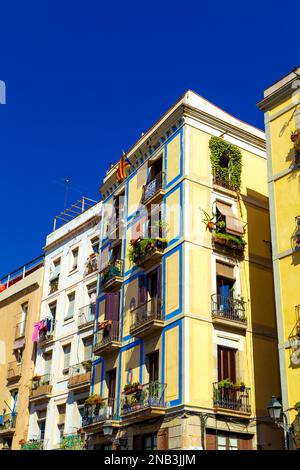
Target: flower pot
[{"x": 210, "y": 225}]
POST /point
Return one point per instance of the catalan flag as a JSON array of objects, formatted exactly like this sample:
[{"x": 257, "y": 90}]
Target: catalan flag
[{"x": 124, "y": 163}]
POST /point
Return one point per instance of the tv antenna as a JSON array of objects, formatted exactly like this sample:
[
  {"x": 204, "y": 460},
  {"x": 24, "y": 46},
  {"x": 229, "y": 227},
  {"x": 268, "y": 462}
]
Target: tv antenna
[{"x": 68, "y": 183}]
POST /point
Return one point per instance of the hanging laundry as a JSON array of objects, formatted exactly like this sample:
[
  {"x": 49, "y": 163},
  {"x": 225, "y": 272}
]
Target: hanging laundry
[{"x": 35, "y": 332}]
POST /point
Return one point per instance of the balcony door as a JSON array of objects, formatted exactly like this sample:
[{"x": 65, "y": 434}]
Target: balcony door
[
  {"x": 225, "y": 293},
  {"x": 226, "y": 364},
  {"x": 111, "y": 388},
  {"x": 153, "y": 366}
]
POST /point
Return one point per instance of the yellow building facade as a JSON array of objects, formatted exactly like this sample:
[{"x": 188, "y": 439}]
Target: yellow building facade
[
  {"x": 20, "y": 301},
  {"x": 185, "y": 339},
  {"x": 282, "y": 123}
]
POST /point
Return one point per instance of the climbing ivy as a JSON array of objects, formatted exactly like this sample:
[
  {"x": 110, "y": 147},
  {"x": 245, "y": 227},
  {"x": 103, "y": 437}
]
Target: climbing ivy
[{"x": 219, "y": 149}]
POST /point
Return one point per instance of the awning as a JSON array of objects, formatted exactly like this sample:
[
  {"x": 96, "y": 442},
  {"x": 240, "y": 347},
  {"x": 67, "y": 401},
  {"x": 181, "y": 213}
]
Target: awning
[
  {"x": 55, "y": 273},
  {"x": 225, "y": 270},
  {"x": 19, "y": 344},
  {"x": 234, "y": 225}
]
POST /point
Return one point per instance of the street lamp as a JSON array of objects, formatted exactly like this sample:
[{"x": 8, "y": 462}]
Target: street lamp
[
  {"x": 274, "y": 408},
  {"x": 107, "y": 428}
]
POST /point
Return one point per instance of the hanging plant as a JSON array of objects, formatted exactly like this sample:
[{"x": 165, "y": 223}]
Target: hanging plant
[{"x": 221, "y": 150}]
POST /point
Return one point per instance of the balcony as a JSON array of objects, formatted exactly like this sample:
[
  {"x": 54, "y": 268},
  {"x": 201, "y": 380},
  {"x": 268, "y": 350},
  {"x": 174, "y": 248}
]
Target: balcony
[
  {"x": 41, "y": 388},
  {"x": 71, "y": 442},
  {"x": 235, "y": 399},
  {"x": 147, "y": 318},
  {"x": 147, "y": 252},
  {"x": 34, "y": 444},
  {"x": 224, "y": 183},
  {"x": 154, "y": 191},
  {"x": 112, "y": 276},
  {"x": 7, "y": 424},
  {"x": 87, "y": 316},
  {"x": 80, "y": 376},
  {"x": 144, "y": 401},
  {"x": 107, "y": 338},
  {"x": 20, "y": 330},
  {"x": 14, "y": 371},
  {"x": 92, "y": 264},
  {"x": 96, "y": 414},
  {"x": 46, "y": 337},
  {"x": 228, "y": 311}
]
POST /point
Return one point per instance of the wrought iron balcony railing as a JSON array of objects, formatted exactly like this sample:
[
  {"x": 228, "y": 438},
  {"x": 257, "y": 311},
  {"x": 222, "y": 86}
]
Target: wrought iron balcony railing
[
  {"x": 100, "y": 412},
  {"x": 147, "y": 315},
  {"x": 41, "y": 387},
  {"x": 14, "y": 370},
  {"x": 228, "y": 308},
  {"x": 87, "y": 315},
  {"x": 153, "y": 187},
  {"x": 233, "y": 398},
  {"x": 108, "y": 334},
  {"x": 111, "y": 271},
  {"x": 225, "y": 182},
  {"x": 80, "y": 374},
  {"x": 8, "y": 421},
  {"x": 143, "y": 397}
]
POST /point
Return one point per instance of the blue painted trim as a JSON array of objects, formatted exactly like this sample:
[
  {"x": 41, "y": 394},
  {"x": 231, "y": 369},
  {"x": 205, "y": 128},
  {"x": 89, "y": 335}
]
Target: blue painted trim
[
  {"x": 179, "y": 309},
  {"x": 180, "y": 174},
  {"x": 178, "y": 323},
  {"x": 95, "y": 363},
  {"x": 179, "y": 188}
]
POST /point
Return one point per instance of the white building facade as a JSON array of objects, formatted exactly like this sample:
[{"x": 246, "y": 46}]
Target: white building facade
[{"x": 64, "y": 334}]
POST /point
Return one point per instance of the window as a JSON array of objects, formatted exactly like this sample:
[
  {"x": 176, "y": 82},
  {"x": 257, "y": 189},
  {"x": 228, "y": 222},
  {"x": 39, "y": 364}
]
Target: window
[
  {"x": 152, "y": 363},
  {"x": 41, "y": 421},
  {"x": 149, "y": 442},
  {"x": 227, "y": 442},
  {"x": 71, "y": 306},
  {"x": 226, "y": 364},
  {"x": 24, "y": 318},
  {"x": 54, "y": 275},
  {"x": 52, "y": 314},
  {"x": 66, "y": 358},
  {"x": 88, "y": 348},
  {"x": 74, "y": 259},
  {"x": 47, "y": 364},
  {"x": 111, "y": 383},
  {"x": 81, "y": 407},
  {"x": 61, "y": 411},
  {"x": 18, "y": 355},
  {"x": 14, "y": 399},
  {"x": 95, "y": 244}
]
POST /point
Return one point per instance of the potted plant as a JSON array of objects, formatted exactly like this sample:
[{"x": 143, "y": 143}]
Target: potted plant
[
  {"x": 87, "y": 365},
  {"x": 128, "y": 389},
  {"x": 94, "y": 400},
  {"x": 225, "y": 384},
  {"x": 208, "y": 220},
  {"x": 297, "y": 407}
]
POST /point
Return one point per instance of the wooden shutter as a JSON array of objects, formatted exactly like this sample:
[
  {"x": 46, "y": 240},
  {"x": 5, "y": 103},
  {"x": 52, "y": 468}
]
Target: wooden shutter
[
  {"x": 112, "y": 306},
  {"x": 163, "y": 439},
  {"x": 137, "y": 442},
  {"x": 211, "y": 440},
  {"x": 226, "y": 364},
  {"x": 245, "y": 442},
  {"x": 142, "y": 290}
]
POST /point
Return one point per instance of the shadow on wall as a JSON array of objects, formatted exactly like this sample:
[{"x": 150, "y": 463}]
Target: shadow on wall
[{"x": 263, "y": 317}]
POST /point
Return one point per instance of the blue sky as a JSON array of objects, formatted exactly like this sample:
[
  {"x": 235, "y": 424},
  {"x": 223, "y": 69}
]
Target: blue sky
[{"x": 85, "y": 79}]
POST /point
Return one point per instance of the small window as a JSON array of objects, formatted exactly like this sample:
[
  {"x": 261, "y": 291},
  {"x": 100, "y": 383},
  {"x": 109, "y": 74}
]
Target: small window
[
  {"x": 88, "y": 348},
  {"x": 18, "y": 355},
  {"x": 47, "y": 364},
  {"x": 95, "y": 244},
  {"x": 61, "y": 411},
  {"x": 66, "y": 358},
  {"x": 74, "y": 259},
  {"x": 71, "y": 306},
  {"x": 227, "y": 442}
]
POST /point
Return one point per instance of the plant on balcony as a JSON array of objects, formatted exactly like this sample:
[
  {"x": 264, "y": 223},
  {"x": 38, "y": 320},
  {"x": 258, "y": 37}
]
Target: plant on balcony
[
  {"x": 132, "y": 388},
  {"x": 221, "y": 150},
  {"x": 73, "y": 442},
  {"x": 225, "y": 384},
  {"x": 32, "y": 445},
  {"x": 143, "y": 246},
  {"x": 104, "y": 324},
  {"x": 87, "y": 365},
  {"x": 112, "y": 270},
  {"x": 297, "y": 407},
  {"x": 209, "y": 220},
  {"x": 53, "y": 286},
  {"x": 94, "y": 400}
]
